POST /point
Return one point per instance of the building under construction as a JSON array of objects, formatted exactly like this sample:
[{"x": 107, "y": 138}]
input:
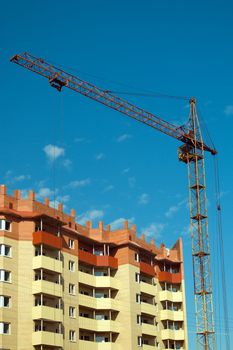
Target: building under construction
[{"x": 68, "y": 286}]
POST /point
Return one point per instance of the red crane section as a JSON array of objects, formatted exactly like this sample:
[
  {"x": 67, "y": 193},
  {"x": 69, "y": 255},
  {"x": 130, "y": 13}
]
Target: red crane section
[{"x": 59, "y": 79}]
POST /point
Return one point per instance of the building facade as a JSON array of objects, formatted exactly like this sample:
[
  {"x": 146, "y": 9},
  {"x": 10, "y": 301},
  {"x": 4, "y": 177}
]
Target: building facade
[{"x": 73, "y": 287}]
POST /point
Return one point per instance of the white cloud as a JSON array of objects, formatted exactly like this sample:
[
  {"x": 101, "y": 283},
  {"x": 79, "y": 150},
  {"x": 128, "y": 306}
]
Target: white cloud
[
  {"x": 153, "y": 230},
  {"x": 125, "y": 171},
  {"x": 67, "y": 163},
  {"x": 228, "y": 110},
  {"x": 124, "y": 137},
  {"x": 100, "y": 156},
  {"x": 45, "y": 192},
  {"x": 53, "y": 152},
  {"x": 79, "y": 183},
  {"x": 175, "y": 208},
  {"x": 22, "y": 177},
  {"x": 119, "y": 223},
  {"x": 108, "y": 188},
  {"x": 10, "y": 179},
  {"x": 132, "y": 181},
  {"x": 90, "y": 215},
  {"x": 143, "y": 198},
  {"x": 63, "y": 199}
]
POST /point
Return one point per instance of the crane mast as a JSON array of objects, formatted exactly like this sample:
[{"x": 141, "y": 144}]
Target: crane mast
[{"x": 191, "y": 152}]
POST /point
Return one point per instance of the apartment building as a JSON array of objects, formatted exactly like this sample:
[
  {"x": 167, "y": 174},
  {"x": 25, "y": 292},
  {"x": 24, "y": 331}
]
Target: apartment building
[{"x": 73, "y": 287}]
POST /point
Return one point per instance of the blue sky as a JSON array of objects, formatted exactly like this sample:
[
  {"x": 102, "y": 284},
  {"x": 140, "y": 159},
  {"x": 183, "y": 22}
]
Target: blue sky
[{"x": 109, "y": 167}]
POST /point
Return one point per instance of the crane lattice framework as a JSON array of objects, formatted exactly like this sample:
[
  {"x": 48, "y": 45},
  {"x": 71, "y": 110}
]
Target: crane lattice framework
[{"x": 190, "y": 152}]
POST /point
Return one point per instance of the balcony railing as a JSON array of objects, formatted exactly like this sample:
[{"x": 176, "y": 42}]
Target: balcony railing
[
  {"x": 98, "y": 303},
  {"x": 98, "y": 281},
  {"x": 47, "y": 287},
  {"x": 90, "y": 345},
  {"x": 171, "y": 315},
  {"x": 98, "y": 325},
  {"x": 45, "y": 262},
  {"x": 42, "y": 237},
  {"x": 164, "y": 276},
  {"x": 47, "y": 338},
  {"x": 98, "y": 260},
  {"x": 147, "y": 269},
  {"x": 172, "y": 334},
  {"x": 171, "y": 296},
  {"x": 47, "y": 313}
]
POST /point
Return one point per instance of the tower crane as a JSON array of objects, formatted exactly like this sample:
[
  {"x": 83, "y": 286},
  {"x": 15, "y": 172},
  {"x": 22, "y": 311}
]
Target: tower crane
[{"x": 191, "y": 152}]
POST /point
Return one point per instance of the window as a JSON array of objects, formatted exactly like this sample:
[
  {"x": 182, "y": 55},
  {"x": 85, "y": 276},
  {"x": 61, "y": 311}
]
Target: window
[
  {"x": 71, "y": 243},
  {"x": 4, "y": 301},
  {"x": 5, "y": 225},
  {"x": 4, "y": 328},
  {"x": 71, "y": 289},
  {"x": 100, "y": 273},
  {"x": 101, "y": 339},
  {"x": 72, "y": 336},
  {"x": 72, "y": 312},
  {"x": 136, "y": 257},
  {"x": 139, "y": 321},
  {"x": 100, "y": 295},
  {"x": 98, "y": 252},
  {"x": 5, "y": 276},
  {"x": 5, "y": 250},
  {"x": 138, "y": 298},
  {"x": 137, "y": 277},
  {"x": 71, "y": 266},
  {"x": 139, "y": 341}
]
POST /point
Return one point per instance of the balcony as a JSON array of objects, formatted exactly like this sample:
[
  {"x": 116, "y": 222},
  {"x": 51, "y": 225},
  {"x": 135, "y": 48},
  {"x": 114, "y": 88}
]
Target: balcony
[
  {"x": 98, "y": 281},
  {"x": 47, "y": 313},
  {"x": 149, "y": 329},
  {"x": 47, "y": 263},
  {"x": 148, "y": 288},
  {"x": 171, "y": 315},
  {"x": 47, "y": 338},
  {"x": 98, "y": 260},
  {"x": 171, "y": 296},
  {"x": 172, "y": 334},
  {"x": 98, "y": 325},
  {"x": 47, "y": 287},
  {"x": 164, "y": 276},
  {"x": 98, "y": 303},
  {"x": 42, "y": 237},
  {"x": 148, "y": 347},
  {"x": 147, "y": 269},
  {"x": 84, "y": 345},
  {"x": 149, "y": 309}
]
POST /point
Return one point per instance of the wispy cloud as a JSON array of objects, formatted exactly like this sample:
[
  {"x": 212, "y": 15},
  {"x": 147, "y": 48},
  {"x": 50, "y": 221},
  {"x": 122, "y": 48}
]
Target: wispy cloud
[
  {"x": 132, "y": 181},
  {"x": 108, "y": 188},
  {"x": 143, "y": 198},
  {"x": 124, "y": 137},
  {"x": 11, "y": 179},
  {"x": 81, "y": 140},
  {"x": 125, "y": 171},
  {"x": 153, "y": 230},
  {"x": 53, "y": 152},
  {"x": 228, "y": 110},
  {"x": 45, "y": 192},
  {"x": 119, "y": 223},
  {"x": 175, "y": 208},
  {"x": 67, "y": 163},
  {"x": 90, "y": 215},
  {"x": 79, "y": 183},
  {"x": 100, "y": 156}
]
